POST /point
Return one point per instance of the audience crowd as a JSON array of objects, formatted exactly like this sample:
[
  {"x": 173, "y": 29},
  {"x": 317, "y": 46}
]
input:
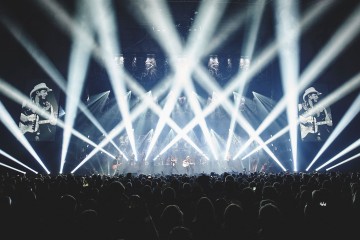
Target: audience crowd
[{"x": 254, "y": 206}]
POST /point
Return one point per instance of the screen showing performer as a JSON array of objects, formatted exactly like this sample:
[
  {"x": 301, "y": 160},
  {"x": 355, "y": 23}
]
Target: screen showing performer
[
  {"x": 315, "y": 123},
  {"x": 116, "y": 164},
  {"x": 35, "y": 125}
]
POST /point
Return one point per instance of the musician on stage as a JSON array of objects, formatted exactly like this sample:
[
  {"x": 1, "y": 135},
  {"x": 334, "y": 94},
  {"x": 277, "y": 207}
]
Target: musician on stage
[
  {"x": 173, "y": 162},
  {"x": 315, "y": 126},
  {"x": 116, "y": 165},
  {"x": 188, "y": 164}
]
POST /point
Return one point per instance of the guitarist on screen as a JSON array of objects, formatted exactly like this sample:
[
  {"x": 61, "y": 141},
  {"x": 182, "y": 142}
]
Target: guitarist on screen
[
  {"x": 35, "y": 126},
  {"x": 314, "y": 127}
]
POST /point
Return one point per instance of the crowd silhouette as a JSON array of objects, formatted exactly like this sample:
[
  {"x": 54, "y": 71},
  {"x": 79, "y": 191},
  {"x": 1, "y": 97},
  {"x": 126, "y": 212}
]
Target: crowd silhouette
[{"x": 255, "y": 206}]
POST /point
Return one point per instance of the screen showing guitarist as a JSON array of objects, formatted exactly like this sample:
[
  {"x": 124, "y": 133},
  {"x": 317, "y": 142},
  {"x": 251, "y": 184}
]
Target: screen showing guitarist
[
  {"x": 315, "y": 126},
  {"x": 32, "y": 124}
]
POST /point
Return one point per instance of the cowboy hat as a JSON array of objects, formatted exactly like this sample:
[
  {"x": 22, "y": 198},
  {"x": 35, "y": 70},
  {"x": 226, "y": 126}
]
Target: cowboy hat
[
  {"x": 310, "y": 90},
  {"x": 38, "y": 87}
]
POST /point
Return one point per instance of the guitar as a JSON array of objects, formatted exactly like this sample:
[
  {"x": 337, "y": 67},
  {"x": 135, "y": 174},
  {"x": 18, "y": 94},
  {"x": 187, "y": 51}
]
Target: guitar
[
  {"x": 186, "y": 163},
  {"x": 32, "y": 126},
  {"x": 311, "y": 125}
]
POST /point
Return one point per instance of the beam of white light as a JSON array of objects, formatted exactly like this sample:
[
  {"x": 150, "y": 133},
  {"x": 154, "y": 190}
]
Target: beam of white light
[
  {"x": 248, "y": 50},
  {"x": 71, "y": 28},
  {"x": 345, "y": 120},
  {"x": 134, "y": 114},
  {"x": 169, "y": 106},
  {"x": 147, "y": 102},
  {"x": 12, "y": 93},
  {"x": 229, "y": 108},
  {"x": 12, "y": 168},
  {"x": 171, "y": 124},
  {"x": 157, "y": 13},
  {"x": 157, "y": 110},
  {"x": 340, "y": 154},
  {"x": 96, "y": 98},
  {"x": 256, "y": 16},
  {"x": 229, "y": 140},
  {"x": 195, "y": 106},
  {"x": 10, "y": 124},
  {"x": 237, "y": 100},
  {"x": 139, "y": 109},
  {"x": 151, "y": 17},
  {"x": 215, "y": 143},
  {"x": 17, "y": 161},
  {"x": 345, "y": 161},
  {"x": 234, "y": 23},
  {"x": 219, "y": 141},
  {"x": 270, "y": 52},
  {"x": 341, "y": 92},
  {"x": 49, "y": 68},
  {"x": 101, "y": 103},
  {"x": 265, "y": 57},
  {"x": 104, "y": 17},
  {"x": 338, "y": 43},
  {"x": 54, "y": 11},
  {"x": 180, "y": 77},
  {"x": 163, "y": 20},
  {"x": 79, "y": 60},
  {"x": 145, "y": 138},
  {"x": 345, "y": 89},
  {"x": 286, "y": 13},
  {"x": 183, "y": 67},
  {"x": 273, "y": 138},
  {"x": 205, "y": 22}
]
